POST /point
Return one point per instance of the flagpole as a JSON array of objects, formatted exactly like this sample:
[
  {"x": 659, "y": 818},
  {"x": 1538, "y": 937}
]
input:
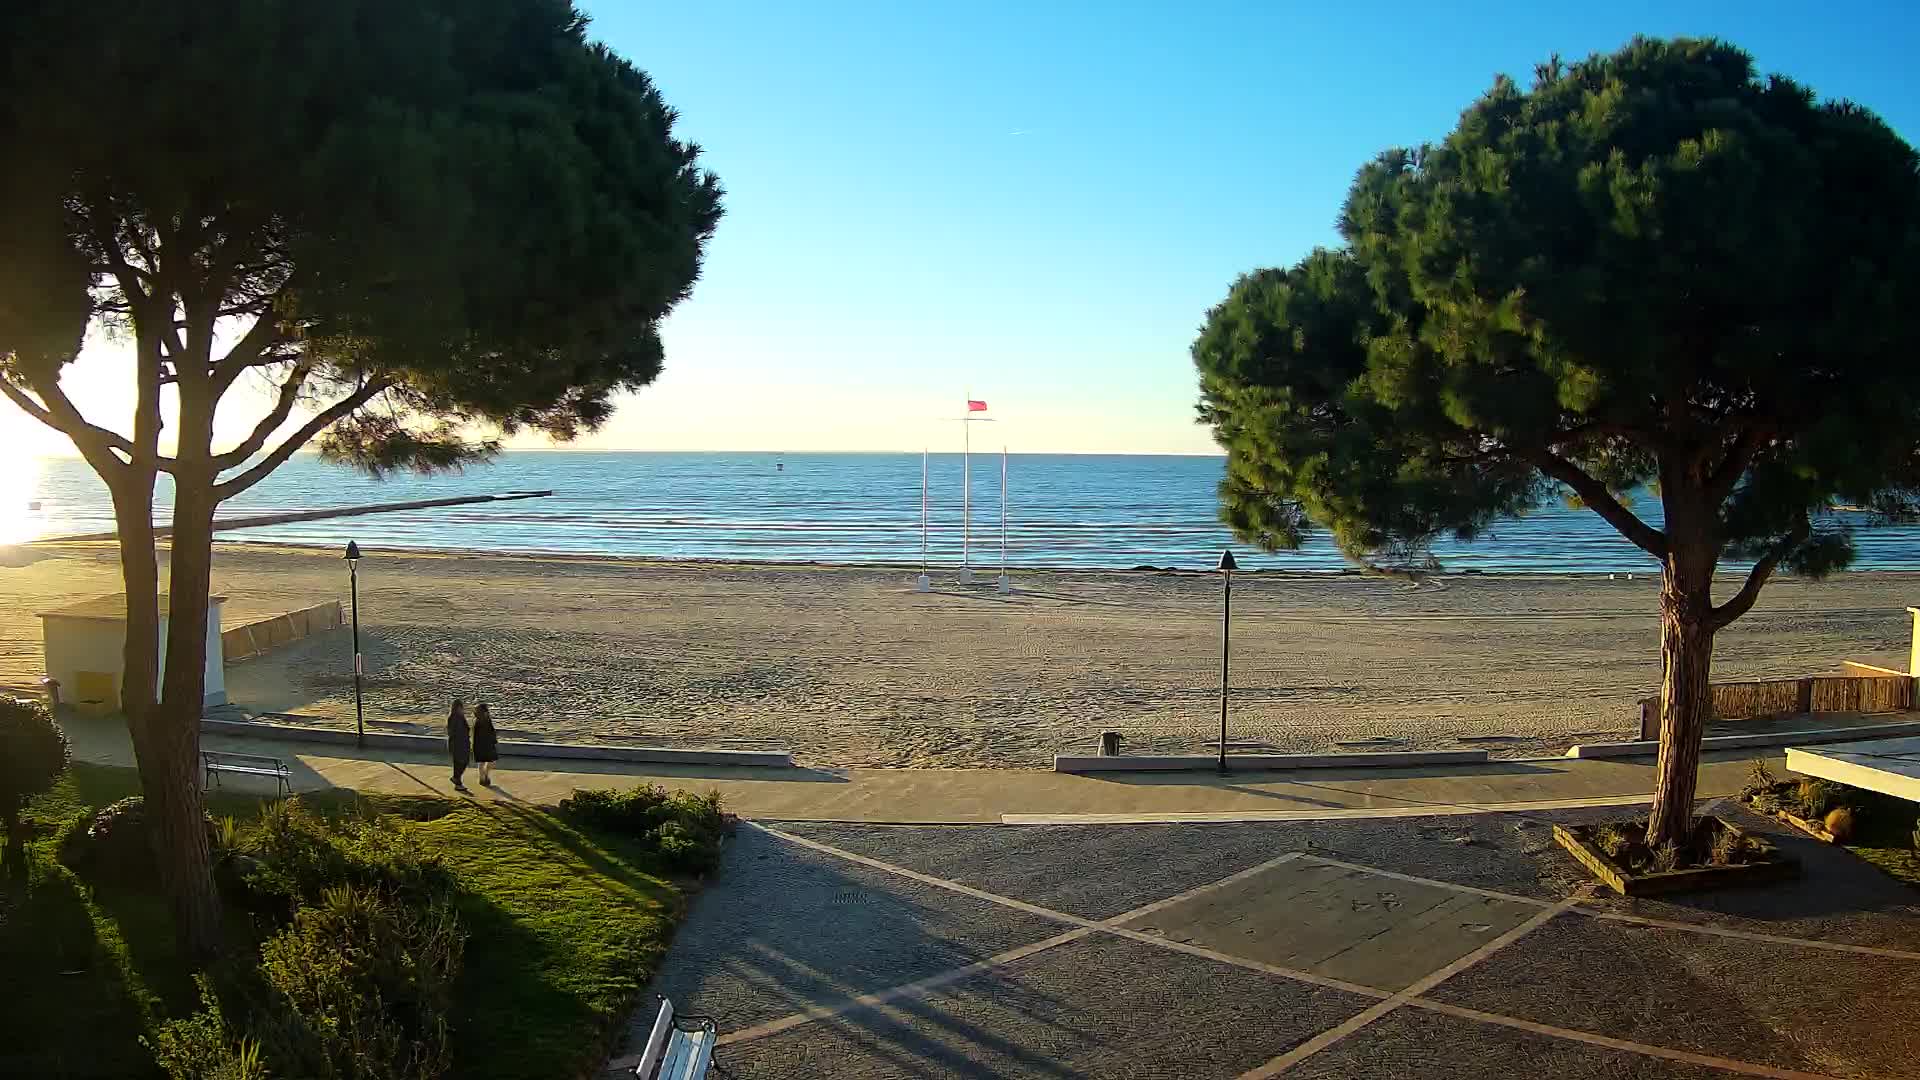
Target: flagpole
[
  {"x": 966, "y": 494},
  {"x": 923, "y": 583},
  {"x": 1006, "y": 585}
]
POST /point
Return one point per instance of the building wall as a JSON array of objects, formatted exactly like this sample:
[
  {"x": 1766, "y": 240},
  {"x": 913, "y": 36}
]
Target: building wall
[{"x": 75, "y": 645}]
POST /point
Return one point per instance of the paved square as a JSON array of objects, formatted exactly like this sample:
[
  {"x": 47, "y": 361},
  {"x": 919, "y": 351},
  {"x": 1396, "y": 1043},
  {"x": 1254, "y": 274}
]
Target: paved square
[
  {"x": 1346, "y": 924},
  {"x": 1407, "y": 947}
]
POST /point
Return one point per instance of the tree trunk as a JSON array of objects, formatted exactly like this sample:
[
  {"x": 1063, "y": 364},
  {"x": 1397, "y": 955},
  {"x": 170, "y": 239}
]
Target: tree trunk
[
  {"x": 1686, "y": 691},
  {"x": 179, "y": 827}
]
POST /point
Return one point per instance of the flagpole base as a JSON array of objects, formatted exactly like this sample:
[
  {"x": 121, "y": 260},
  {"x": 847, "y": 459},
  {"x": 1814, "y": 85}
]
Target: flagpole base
[
  {"x": 1005, "y": 586},
  {"x": 923, "y": 583},
  {"x": 966, "y": 575}
]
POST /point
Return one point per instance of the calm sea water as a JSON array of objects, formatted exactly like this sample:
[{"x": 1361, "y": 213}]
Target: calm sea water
[{"x": 1064, "y": 510}]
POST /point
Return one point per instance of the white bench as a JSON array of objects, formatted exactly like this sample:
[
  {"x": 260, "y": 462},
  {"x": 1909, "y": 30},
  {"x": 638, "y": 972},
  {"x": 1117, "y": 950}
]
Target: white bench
[
  {"x": 676, "y": 1051},
  {"x": 215, "y": 762}
]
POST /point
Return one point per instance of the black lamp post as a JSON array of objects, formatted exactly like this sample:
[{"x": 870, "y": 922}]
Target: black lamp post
[
  {"x": 1227, "y": 567},
  {"x": 359, "y": 710}
]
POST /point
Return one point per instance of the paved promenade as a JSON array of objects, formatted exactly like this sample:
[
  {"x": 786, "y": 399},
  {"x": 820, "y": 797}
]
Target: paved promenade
[{"x": 952, "y": 796}]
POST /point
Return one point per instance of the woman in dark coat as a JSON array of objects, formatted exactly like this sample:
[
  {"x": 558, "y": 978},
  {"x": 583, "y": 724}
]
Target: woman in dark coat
[
  {"x": 459, "y": 742},
  {"x": 486, "y": 743}
]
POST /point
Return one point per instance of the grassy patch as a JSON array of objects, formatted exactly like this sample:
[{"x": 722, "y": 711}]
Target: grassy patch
[
  {"x": 565, "y": 924},
  {"x": 1886, "y": 836}
]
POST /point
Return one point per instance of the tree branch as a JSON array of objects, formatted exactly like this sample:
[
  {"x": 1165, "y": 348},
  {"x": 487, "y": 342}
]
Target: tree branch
[
  {"x": 61, "y": 416},
  {"x": 325, "y": 419},
  {"x": 262, "y": 335},
  {"x": 1742, "y": 602},
  {"x": 1734, "y": 465},
  {"x": 1601, "y": 501},
  {"x": 282, "y": 408}
]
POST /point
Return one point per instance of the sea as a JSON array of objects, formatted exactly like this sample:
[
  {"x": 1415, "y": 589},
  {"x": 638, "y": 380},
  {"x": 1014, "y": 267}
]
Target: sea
[{"x": 1058, "y": 510}]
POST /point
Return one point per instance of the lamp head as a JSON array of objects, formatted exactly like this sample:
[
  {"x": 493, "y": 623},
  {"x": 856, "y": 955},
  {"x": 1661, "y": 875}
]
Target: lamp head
[
  {"x": 1227, "y": 565},
  {"x": 353, "y": 552}
]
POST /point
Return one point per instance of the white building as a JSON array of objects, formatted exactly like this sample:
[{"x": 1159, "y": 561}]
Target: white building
[{"x": 86, "y": 643}]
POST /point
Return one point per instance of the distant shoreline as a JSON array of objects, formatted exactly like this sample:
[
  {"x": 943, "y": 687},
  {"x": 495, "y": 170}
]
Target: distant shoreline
[{"x": 984, "y": 575}]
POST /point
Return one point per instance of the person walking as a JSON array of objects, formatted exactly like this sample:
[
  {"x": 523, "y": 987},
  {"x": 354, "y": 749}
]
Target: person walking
[
  {"x": 459, "y": 742},
  {"x": 486, "y": 743}
]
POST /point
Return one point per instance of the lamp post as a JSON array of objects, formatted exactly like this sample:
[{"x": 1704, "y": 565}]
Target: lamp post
[
  {"x": 359, "y": 709},
  {"x": 1227, "y": 567}
]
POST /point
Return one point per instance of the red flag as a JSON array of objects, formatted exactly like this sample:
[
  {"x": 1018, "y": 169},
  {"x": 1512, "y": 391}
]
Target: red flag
[{"x": 976, "y": 406}]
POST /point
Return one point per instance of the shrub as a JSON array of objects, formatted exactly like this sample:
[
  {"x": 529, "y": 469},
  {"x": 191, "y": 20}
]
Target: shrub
[
  {"x": 1840, "y": 822},
  {"x": 204, "y": 1046},
  {"x": 1760, "y": 779},
  {"x": 684, "y": 829},
  {"x": 1816, "y": 798},
  {"x": 33, "y": 754},
  {"x": 294, "y": 857},
  {"x": 359, "y": 987},
  {"x": 1665, "y": 857},
  {"x": 113, "y": 843},
  {"x": 1611, "y": 838}
]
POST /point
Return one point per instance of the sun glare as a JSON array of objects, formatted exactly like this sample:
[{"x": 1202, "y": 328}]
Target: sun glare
[{"x": 20, "y": 467}]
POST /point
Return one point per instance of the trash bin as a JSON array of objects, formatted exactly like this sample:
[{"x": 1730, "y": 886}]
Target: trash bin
[{"x": 1109, "y": 744}]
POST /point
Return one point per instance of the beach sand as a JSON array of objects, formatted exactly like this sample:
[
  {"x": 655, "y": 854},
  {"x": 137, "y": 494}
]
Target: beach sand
[{"x": 847, "y": 666}]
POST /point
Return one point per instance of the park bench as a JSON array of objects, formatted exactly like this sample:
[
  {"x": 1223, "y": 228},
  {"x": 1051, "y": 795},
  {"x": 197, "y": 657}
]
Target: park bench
[
  {"x": 679, "y": 1048},
  {"x": 216, "y": 762}
]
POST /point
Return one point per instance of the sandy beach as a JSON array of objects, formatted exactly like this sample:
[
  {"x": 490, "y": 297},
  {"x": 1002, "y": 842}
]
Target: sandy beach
[{"x": 848, "y": 666}]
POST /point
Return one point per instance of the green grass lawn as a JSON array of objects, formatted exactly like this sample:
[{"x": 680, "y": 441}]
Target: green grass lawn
[
  {"x": 1886, "y": 836},
  {"x": 564, "y": 926}
]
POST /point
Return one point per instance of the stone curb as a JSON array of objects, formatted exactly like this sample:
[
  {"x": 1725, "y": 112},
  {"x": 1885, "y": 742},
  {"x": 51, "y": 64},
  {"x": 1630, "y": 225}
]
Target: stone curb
[
  {"x": 434, "y": 744},
  {"x": 1647, "y": 747},
  {"x": 1074, "y": 763}
]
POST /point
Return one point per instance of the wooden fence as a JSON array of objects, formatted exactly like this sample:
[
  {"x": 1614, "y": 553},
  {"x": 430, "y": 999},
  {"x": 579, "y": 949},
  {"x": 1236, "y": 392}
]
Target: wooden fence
[
  {"x": 1817, "y": 694},
  {"x": 270, "y": 633}
]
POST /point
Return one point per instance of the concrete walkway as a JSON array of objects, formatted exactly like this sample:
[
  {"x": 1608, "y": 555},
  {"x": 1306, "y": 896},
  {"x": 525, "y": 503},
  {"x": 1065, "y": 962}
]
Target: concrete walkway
[{"x": 953, "y": 796}]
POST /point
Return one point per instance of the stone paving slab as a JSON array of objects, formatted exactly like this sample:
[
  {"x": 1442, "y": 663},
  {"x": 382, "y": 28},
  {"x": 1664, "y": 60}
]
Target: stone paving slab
[
  {"x": 1773, "y": 1004},
  {"x": 1098, "y": 1007},
  {"x": 1413, "y": 1044},
  {"x": 1345, "y": 924},
  {"x": 1097, "y": 871},
  {"x": 781, "y": 928}
]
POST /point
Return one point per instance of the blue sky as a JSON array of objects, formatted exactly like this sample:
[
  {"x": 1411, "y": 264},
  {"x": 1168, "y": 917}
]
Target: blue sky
[{"x": 1038, "y": 202}]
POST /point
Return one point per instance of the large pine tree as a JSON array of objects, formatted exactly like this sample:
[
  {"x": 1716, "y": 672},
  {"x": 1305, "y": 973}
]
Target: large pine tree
[
  {"x": 420, "y": 222},
  {"x": 1650, "y": 271}
]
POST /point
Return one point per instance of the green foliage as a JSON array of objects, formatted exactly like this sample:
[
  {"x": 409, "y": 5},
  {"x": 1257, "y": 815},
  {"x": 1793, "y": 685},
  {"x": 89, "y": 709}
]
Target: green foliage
[
  {"x": 1650, "y": 268},
  {"x": 685, "y": 830},
  {"x": 33, "y": 755},
  {"x": 113, "y": 843},
  {"x": 1611, "y": 838},
  {"x": 295, "y": 857},
  {"x": 567, "y": 925},
  {"x": 1816, "y": 797},
  {"x": 1759, "y": 778},
  {"x": 1665, "y": 858}
]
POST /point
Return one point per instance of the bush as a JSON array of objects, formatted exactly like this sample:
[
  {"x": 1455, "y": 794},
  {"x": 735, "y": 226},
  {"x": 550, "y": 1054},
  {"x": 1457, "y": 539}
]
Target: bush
[
  {"x": 1816, "y": 798},
  {"x": 295, "y": 857},
  {"x": 684, "y": 829},
  {"x": 360, "y": 987},
  {"x": 33, "y": 754},
  {"x": 1840, "y": 822},
  {"x": 1759, "y": 778},
  {"x": 113, "y": 843}
]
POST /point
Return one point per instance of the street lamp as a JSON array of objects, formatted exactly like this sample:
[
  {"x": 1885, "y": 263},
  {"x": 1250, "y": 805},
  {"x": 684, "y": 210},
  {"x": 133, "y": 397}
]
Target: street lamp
[
  {"x": 359, "y": 710},
  {"x": 1227, "y": 567}
]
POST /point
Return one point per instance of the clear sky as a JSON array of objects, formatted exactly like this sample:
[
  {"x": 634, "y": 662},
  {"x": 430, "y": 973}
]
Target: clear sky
[{"x": 1036, "y": 203}]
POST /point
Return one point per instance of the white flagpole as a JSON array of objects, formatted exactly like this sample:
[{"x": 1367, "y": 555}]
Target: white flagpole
[
  {"x": 923, "y": 583},
  {"x": 1006, "y": 584},
  {"x": 966, "y": 495}
]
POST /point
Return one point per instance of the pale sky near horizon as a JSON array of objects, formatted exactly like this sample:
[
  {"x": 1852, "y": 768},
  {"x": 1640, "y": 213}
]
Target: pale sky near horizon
[{"x": 1038, "y": 206}]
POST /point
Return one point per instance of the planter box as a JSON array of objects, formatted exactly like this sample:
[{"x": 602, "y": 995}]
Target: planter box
[
  {"x": 1777, "y": 868},
  {"x": 1811, "y": 828}
]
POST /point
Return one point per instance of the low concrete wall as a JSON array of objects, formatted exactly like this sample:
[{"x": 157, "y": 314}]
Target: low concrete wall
[
  {"x": 1072, "y": 763},
  {"x": 434, "y": 744},
  {"x": 1649, "y": 747},
  {"x": 275, "y": 631}
]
